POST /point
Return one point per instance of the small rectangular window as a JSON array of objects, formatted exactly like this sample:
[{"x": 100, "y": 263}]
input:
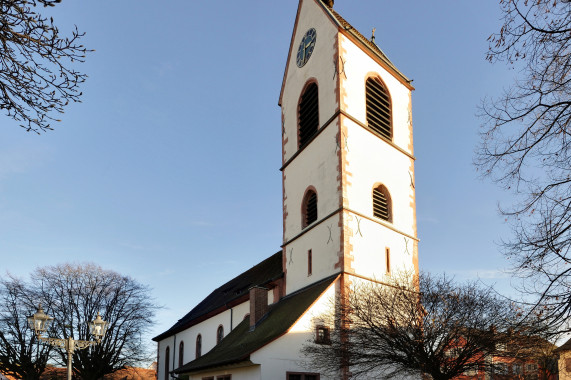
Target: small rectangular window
[
  {"x": 309, "y": 262},
  {"x": 568, "y": 364},
  {"x": 501, "y": 369},
  {"x": 302, "y": 376},
  {"x": 516, "y": 369},
  {"x": 531, "y": 368},
  {"x": 388, "y": 260},
  {"x": 224, "y": 377},
  {"x": 322, "y": 335}
]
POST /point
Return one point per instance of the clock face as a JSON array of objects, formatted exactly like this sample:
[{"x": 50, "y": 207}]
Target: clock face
[{"x": 306, "y": 47}]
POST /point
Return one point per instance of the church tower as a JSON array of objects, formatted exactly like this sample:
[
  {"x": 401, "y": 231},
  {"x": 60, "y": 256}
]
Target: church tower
[
  {"x": 349, "y": 211},
  {"x": 347, "y": 155}
]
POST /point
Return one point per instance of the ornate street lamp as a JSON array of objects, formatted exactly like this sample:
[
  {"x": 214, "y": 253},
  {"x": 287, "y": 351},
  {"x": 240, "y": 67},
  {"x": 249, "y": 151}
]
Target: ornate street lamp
[
  {"x": 40, "y": 321},
  {"x": 98, "y": 328}
]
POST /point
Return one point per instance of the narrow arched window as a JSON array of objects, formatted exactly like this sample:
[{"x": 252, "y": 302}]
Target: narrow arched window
[
  {"x": 167, "y": 363},
  {"x": 219, "y": 334},
  {"x": 382, "y": 207},
  {"x": 309, "y": 208},
  {"x": 308, "y": 115},
  {"x": 198, "y": 346},
  {"x": 181, "y": 354},
  {"x": 378, "y": 108}
]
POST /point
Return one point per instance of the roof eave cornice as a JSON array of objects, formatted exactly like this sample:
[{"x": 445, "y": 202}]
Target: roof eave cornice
[{"x": 389, "y": 66}]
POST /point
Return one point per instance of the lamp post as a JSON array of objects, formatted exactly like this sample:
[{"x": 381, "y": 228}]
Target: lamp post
[{"x": 40, "y": 321}]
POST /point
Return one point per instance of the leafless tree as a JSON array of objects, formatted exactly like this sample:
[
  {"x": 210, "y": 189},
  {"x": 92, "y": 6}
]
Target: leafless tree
[
  {"x": 526, "y": 147},
  {"x": 76, "y": 293},
  {"x": 73, "y": 295},
  {"x": 440, "y": 329},
  {"x": 21, "y": 355},
  {"x": 36, "y": 74}
]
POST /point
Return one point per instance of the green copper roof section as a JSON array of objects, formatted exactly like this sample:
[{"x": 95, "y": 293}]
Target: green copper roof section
[{"x": 237, "y": 346}]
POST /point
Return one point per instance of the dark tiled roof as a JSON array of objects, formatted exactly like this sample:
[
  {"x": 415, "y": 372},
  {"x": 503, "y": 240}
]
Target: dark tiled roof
[
  {"x": 371, "y": 45},
  {"x": 564, "y": 347},
  {"x": 265, "y": 272},
  {"x": 237, "y": 346}
]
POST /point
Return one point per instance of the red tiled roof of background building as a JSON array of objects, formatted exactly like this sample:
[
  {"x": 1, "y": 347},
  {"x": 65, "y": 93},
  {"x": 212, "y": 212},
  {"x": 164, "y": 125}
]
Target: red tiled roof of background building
[
  {"x": 132, "y": 373},
  {"x": 129, "y": 373}
]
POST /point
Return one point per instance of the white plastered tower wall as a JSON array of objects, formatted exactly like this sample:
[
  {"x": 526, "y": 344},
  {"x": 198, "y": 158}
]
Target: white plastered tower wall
[
  {"x": 370, "y": 161},
  {"x": 345, "y": 161},
  {"x": 317, "y": 164}
]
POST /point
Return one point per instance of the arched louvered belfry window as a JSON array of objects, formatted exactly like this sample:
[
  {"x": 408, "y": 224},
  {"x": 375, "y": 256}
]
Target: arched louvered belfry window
[
  {"x": 382, "y": 204},
  {"x": 167, "y": 363},
  {"x": 308, "y": 114},
  {"x": 378, "y": 108},
  {"x": 198, "y": 346},
  {"x": 181, "y": 354},
  {"x": 219, "y": 334},
  {"x": 309, "y": 208}
]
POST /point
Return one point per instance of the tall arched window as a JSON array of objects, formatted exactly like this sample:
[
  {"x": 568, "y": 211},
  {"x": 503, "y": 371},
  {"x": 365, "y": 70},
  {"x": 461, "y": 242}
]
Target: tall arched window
[
  {"x": 308, "y": 114},
  {"x": 378, "y": 108},
  {"x": 167, "y": 362},
  {"x": 198, "y": 346},
  {"x": 382, "y": 205},
  {"x": 309, "y": 208},
  {"x": 181, "y": 354},
  {"x": 219, "y": 334}
]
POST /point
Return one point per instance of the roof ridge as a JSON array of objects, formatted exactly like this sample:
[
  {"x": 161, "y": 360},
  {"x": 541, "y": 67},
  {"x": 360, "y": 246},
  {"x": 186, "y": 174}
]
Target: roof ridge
[
  {"x": 368, "y": 43},
  {"x": 264, "y": 261},
  {"x": 328, "y": 278},
  {"x": 264, "y": 272}
]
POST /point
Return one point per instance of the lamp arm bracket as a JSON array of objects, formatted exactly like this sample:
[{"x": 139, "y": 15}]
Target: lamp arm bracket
[
  {"x": 81, "y": 344},
  {"x": 53, "y": 341},
  {"x": 68, "y": 344}
]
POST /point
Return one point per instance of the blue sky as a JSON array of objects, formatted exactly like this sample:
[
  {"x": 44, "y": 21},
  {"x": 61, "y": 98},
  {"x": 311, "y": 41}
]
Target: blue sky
[{"x": 168, "y": 170}]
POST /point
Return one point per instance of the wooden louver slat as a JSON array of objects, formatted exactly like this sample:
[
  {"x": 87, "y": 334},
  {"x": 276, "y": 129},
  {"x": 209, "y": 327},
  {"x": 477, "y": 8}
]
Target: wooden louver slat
[
  {"x": 378, "y": 108},
  {"x": 308, "y": 114},
  {"x": 380, "y": 205},
  {"x": 311, "y": 209}
]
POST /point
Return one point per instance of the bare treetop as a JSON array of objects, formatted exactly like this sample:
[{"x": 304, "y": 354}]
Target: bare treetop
[
  {"x": 36, "y": 76},
  {"x": 526, "y": 146},
  {"x": 442, "y": 329},
  {"x": 74, "y": 294}
]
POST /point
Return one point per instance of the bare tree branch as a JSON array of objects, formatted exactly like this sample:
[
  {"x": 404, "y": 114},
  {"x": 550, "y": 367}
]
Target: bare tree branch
[
  {"x": 526, "y": 147},
  {"x": 77, "y": 293},
  {"x": 36, "y": 74},
  {"x": 21, "y": 355},
  {"x": 440, "y": 329},
  {"x": 73, "y": 295}
]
